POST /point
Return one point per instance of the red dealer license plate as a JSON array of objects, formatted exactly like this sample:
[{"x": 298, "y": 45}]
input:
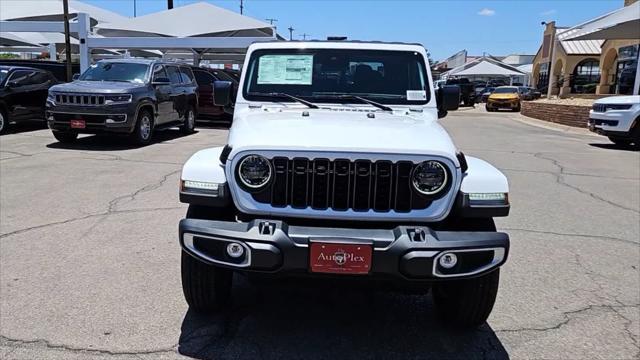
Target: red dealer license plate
[
  {"x": 78, "y": 124},
  {"x": 340, "y": 258}
]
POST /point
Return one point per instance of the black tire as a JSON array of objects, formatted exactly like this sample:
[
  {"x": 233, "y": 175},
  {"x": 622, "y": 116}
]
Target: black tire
[
  {"x": 143, "y": 132},
  {"x": 467, "y": 303},
  {"x": 488, "y": 108},
  {"x": 4, "y": 121},
  {"x": 65, "y": 137},
  {"x": 189, "y": 124},
  {"x": 517, "y": 109},
  {"x": 206, "y": 287}
]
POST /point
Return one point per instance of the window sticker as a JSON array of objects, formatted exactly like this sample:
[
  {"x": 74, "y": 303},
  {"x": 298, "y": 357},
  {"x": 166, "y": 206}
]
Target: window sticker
[
  {"x": 285, "y": 69},
  {"x": 416, "y": 95}
]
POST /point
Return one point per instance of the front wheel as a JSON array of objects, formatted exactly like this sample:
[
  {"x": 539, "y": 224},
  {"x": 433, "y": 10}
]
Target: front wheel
[
  {"x": 466, "y": 303},
  {"x": 206, "y": 287},
  {"x": 143, "y": 131},
  {"x": 4, "y": 121}
]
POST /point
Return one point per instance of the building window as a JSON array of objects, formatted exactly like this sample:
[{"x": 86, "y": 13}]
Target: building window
[
  {"x": 543, "y": 77},
  {"x": 626, "y": 69},
  {"x": 586, "y": 76}
]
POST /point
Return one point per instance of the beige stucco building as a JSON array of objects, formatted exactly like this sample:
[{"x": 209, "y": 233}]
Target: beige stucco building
[{"x": 584, "y": 66}]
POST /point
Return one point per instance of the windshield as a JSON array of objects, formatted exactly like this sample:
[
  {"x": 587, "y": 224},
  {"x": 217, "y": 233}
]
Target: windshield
[
  {"x": 3, "y": 75},
  {"x": 506, "y": 90},
  {"x": 116, "y": 71},
  {"x": 326, "y": 75}
]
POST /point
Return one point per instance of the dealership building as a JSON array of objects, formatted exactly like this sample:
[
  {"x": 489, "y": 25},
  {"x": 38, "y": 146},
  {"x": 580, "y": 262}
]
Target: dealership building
[{"x": 588, "y": 66}]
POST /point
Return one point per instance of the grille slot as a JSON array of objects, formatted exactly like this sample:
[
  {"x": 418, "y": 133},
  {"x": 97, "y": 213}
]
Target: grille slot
[
  {"x": 79, "y": 99},
  {"x": 341, "y": 185},
  {"x": 599, "y": 108}
]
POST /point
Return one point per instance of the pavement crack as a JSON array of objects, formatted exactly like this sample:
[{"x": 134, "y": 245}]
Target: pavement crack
[
  {"x": 114, "y": 203},
  {"x": 49, "y": 345},
  {"x": 626, "y": 241},
  {"x": 560, "y": 180}
]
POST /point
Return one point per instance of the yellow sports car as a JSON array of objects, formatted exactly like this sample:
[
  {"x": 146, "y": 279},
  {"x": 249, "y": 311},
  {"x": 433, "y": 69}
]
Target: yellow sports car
[{"x": 504, "y": 97}]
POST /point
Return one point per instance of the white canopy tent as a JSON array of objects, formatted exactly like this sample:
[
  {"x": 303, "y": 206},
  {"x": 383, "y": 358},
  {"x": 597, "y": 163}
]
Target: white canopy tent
[
  {"x": 51, "y": 10},
  {"x": 485, "y": 66},
  {"x": 620, "y": 24}
]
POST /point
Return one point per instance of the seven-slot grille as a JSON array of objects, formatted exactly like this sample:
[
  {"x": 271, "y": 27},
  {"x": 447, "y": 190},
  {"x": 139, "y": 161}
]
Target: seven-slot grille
[
  {"x": 600, "y": 108},
  {"x": 79, "y": 99},
  {"x": 341, "y": 185}
]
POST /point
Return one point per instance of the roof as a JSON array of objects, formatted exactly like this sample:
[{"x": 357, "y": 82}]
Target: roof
[
  {"x": 623, "y": 23},
  {"x": 322, "y": 44},
  {"x": 578, "y": 47},
  {"x": 200, "y": 19},
  {"x": 51, "y": 10},
  {"x": 12, "y": 67},
  {"x": 485, "y": 66}
]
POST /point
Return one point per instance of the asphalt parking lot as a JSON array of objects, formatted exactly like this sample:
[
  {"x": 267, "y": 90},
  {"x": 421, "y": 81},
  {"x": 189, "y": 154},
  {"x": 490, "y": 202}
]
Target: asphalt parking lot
[{"x": 90, "y": 262}]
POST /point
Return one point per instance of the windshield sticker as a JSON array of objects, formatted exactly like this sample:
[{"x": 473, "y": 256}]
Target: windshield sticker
[
  {"x": 285, "y": 69},
  {"x": 416, "y": 95}
]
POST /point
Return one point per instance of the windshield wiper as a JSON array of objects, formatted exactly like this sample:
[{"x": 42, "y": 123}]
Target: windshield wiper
[
  {"x": 285, "y": 95},
  {"x": 359, "y": 98}
]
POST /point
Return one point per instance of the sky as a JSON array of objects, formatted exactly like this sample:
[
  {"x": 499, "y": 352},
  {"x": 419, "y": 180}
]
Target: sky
[{"x": 443, "y": 27}]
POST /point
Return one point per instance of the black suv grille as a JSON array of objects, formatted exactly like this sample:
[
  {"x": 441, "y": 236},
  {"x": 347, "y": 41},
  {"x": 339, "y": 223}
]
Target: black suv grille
[
  {"x": 341, "y": 185},
  {"x": 79, "y": 99}
]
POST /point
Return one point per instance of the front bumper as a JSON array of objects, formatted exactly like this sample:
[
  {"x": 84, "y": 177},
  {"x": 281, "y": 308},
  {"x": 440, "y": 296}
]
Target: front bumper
[
  {"x": 503, "y": 104},
  {"x": 104, "y": 119},
  {"x": 611, "y": 122},
  {"x": 404, "y": 253}
]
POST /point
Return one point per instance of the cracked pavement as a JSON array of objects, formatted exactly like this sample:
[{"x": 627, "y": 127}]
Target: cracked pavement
[{"x": 90, "y": 263}]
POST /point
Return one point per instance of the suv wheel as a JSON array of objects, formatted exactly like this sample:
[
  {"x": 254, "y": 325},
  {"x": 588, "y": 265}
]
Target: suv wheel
[
  {"x": 65, "y": 137},
  {"x": 467, "y": 303},
  {"x": 620, "y": 141},
  {"x": 4, "y": 122},
  {"x": 189, "y": 124},
  {"x": 143, "y": 131},
  {"x": 206, "y": 287}
]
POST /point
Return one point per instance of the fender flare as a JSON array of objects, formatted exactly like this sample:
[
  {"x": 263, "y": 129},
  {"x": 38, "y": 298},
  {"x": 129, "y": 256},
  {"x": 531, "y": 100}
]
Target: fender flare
[{"x": 482, "y": 177}]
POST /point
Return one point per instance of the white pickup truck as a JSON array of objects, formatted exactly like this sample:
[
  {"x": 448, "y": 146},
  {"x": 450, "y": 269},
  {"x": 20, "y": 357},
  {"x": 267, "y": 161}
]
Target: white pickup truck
[{"x": 336, "y": 166}]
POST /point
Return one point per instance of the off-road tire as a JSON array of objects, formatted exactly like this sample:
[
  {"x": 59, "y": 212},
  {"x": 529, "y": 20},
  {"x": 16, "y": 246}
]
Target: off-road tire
[
  {"x": 467, "y": 303},
  {"x": 206, "y": 287},
  {"x": 189, "y": 124},
  {"x": 143, "y": 131},
  {"x": 65, "y": 137}
]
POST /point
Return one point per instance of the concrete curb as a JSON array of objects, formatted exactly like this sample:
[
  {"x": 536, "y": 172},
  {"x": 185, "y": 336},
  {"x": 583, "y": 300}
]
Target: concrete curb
[{"x": 553, "y": 126}]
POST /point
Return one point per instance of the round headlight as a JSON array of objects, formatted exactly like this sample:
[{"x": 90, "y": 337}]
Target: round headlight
[
  {"x": 254, "y": 171},
  {"x": 429, "y": 177}
]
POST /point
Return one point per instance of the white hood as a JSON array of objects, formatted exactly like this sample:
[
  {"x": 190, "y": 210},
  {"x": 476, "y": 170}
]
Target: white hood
[
  {"x": 340, "y": 129},
  {"x": 629, "y": 99}
]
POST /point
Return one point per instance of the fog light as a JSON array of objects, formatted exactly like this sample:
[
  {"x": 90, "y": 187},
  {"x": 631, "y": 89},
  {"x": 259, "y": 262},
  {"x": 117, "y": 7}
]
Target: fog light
[
  {"x": 235, "y": 250},
  {"x": 110, "y": 121},
  {"x": 448, "y": 260}
]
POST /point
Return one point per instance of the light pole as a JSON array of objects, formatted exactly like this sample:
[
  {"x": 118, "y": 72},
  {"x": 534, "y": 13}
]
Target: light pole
[
  {"x": 291, "y": 33},
  {"x": 67, "y": 39}
]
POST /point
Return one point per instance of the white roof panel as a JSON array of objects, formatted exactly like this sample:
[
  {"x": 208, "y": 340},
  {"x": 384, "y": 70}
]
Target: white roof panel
[
  {"x": 623, "y": 23},
  {"x": 52, "y": 10},
  {"x": 485, "y": 66}
]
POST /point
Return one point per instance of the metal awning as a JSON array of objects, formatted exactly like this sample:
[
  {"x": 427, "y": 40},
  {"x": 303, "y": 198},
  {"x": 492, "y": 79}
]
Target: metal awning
[{"x": 620, "y": 24}]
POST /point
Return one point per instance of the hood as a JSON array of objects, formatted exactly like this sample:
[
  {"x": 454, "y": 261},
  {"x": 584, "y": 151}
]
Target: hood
[
  {"x": 99, "y": 87},
  {"x": 631, "y": 99},
  {"x": 503, "y": 96},
  {"x": 401, "y": 132}
]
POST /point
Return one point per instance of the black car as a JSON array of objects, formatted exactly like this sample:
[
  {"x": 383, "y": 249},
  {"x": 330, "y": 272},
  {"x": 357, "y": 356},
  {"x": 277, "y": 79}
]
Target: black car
[
  {"x": 23, "y": 93},
  {"x": 57, "y": 69},
  {"x": 205, "y": 78},
  {"x": 467, "y": 90},
  {"x": 486, "y": 93},
  {"x": 125, "y": 96}
]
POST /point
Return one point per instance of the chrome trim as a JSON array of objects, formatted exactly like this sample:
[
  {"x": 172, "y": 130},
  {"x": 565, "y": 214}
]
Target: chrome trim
[
  {"x": 444, "y": 183},
  {"x": 188, "y": 243},
  {"x": 255, "y": 187},
  {"x": 438, "y": 210},
  {"x": 498, "y": 257},
  {"x": 86, "y": 113}
]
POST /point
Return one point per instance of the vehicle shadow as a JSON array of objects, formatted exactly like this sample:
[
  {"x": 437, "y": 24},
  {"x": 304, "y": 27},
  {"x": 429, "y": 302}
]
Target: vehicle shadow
[
  {"x": 289, "y": 319},
  {"x": 612, "y": 146},
  {"x": 25, "y": 126},
  {"x": 106, "y": 142}
]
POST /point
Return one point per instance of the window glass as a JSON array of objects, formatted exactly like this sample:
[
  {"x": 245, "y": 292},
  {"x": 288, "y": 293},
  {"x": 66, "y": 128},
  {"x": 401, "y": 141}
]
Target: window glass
[
  {"x": 186, "y": 75},
  {"x": 3, "y": 74},
  {"x": 203, "y": 78},
  {"x": 22, "y": 77},
  {"x": 174, "y": 75},
  {"x": 159, "y": 72},
  {"x": 586, "y": 76},
  {"x": 506, "y": 90},
  {"x": 323, "y": 75},
  {"x": 40, "y": 78},
  {"x": 116, "y": 71}
]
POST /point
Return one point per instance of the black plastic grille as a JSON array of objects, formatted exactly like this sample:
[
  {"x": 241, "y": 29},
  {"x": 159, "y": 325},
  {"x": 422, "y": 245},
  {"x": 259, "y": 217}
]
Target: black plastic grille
[
  {"x": 342, "y": 185},
  {"x": 79, "y": 99}
]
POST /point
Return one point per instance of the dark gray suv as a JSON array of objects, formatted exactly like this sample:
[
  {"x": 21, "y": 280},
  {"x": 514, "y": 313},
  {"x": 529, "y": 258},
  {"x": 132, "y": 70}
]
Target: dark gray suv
[{"x": 124, "y": 96}]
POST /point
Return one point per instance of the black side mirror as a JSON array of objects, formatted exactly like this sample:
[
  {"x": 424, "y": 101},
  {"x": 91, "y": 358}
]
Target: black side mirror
[
  {"x": 447, "y": 98},
  {"x": 161, "y": 81},
  {"x": 221, "y": 93},
  {"x": 75, "y": 76}
]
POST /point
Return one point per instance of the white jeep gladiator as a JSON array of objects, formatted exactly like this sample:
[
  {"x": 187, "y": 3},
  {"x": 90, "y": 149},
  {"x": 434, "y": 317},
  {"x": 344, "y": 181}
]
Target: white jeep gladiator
[{"x": 336, "y": 166}]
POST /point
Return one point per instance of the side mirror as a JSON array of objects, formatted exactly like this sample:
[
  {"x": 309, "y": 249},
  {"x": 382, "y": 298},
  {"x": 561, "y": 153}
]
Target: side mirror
[
  {"x": 161, "y": 81},
  {"x": 221, "y": 93},
  {"x": 447, "y": 98},
  {"x": 75, "y": 76}
]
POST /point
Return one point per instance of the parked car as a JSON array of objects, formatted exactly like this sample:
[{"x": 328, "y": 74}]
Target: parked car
[
  {"x": 525, "y": 93},
  {"x": 328, "y": 178},
  {"x": 618, "y": 118},
  {"x": 487, "y": 92},
  {"x": 23, "y": 94},
  {"x": 57, "y": 69},
  {"x": 126, "y": 96},
  {"x": 504, "y": 97},
  {"x": 467, "y": 93},
  {"x": 205, "y": 78}
]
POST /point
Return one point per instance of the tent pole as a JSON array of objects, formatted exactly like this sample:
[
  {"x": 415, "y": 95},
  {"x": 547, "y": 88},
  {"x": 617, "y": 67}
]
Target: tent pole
[{"x": 67, "y": 39}]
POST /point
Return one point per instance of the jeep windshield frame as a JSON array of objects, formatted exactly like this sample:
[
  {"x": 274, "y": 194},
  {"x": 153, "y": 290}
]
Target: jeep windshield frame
[{"x": 381, "y": 76}]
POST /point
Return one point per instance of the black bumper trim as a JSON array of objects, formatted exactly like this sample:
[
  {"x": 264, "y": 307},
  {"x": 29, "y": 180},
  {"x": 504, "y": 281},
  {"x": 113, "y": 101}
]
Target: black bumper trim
[{"x": 284, "y": 249}]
